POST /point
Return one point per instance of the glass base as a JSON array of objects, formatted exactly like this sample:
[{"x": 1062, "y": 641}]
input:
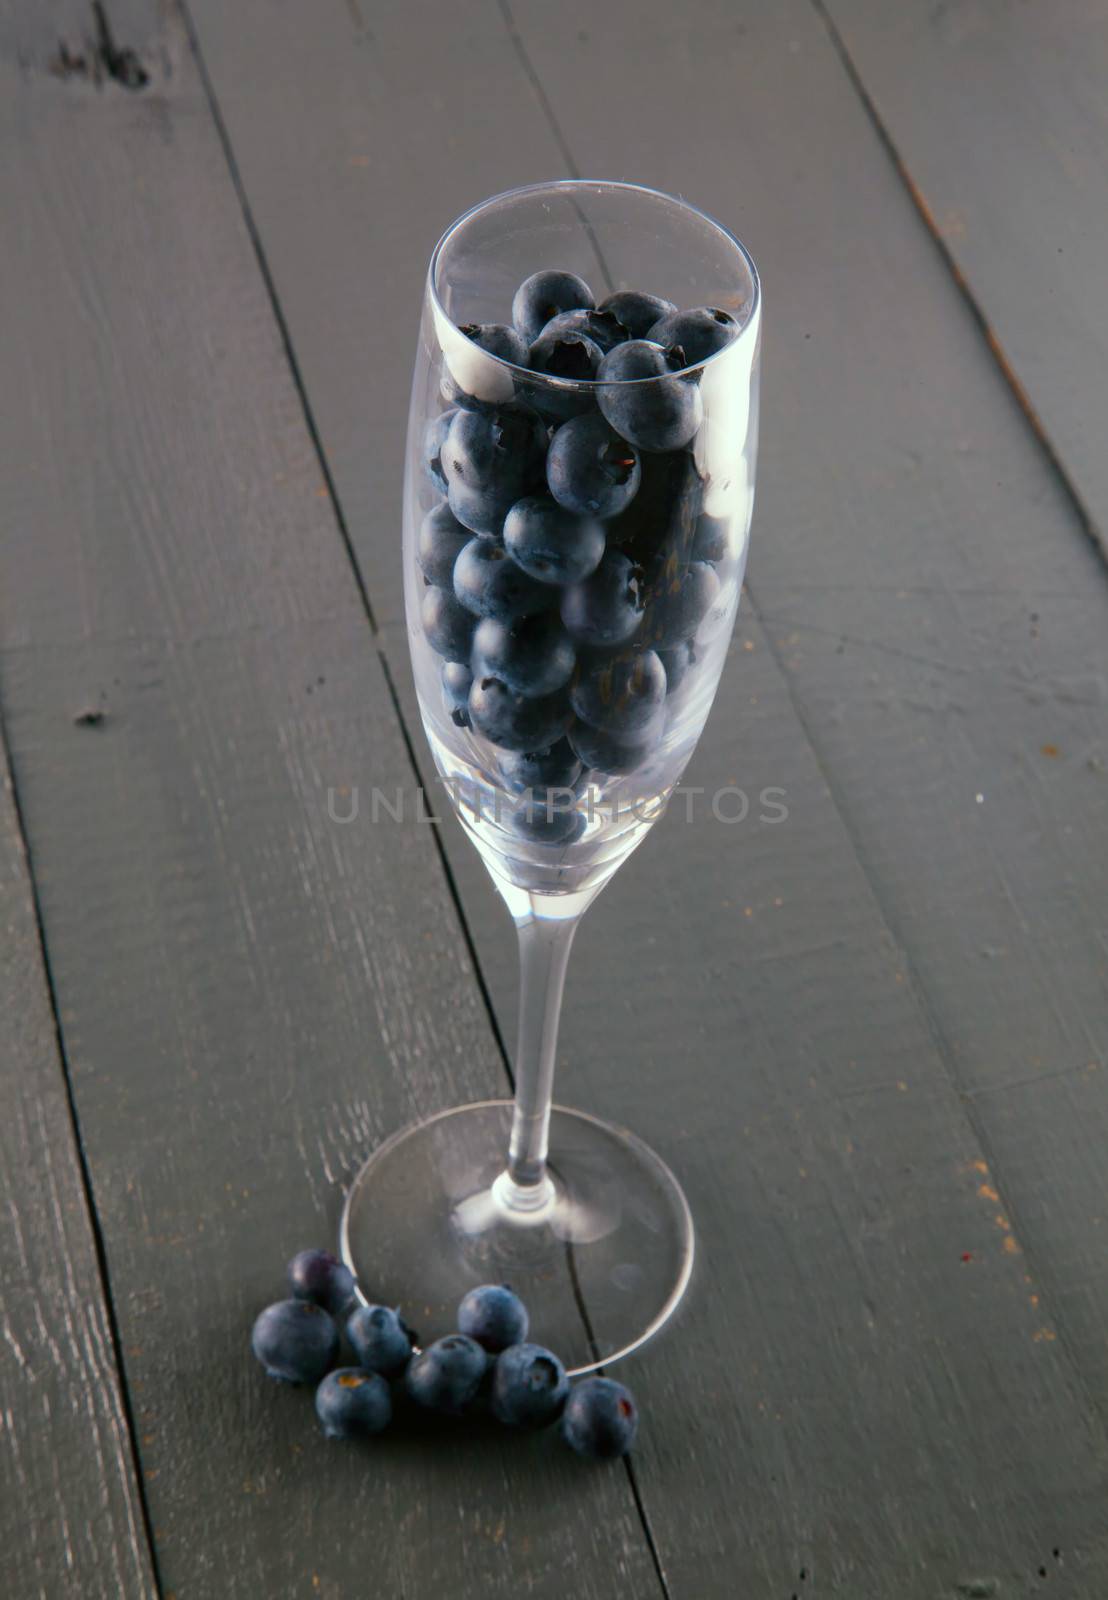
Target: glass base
[{"x": 601, "y": 1263}]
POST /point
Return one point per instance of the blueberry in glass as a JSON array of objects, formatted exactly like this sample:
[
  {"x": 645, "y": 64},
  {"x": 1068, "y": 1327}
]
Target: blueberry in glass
[
  {"x": 662, "y": 414},
  {"x": 489, "y": 460},
  {"x": 442, "y": 538},
  {"x": 590, "y": 470},
  {"x": 700, "y": 333},
  {"x": 447, "y": 626},
  {"x": 637, "y": 312},
  {"x": 552, "y": 544},
  {"x": 532, "y": 655},
  {"x": 488, "y": 583},
  {"x": 606, "y": 608},
  {"x": 517, "y": 721},
  {"x": 543, "y": 295}
]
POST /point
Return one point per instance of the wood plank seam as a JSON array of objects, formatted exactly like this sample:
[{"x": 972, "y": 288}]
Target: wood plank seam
[
  {"x": 1098, "y": 536},
  {"x": 103, "y": 1276}
]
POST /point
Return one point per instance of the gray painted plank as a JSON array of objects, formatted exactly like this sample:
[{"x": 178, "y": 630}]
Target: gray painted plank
[
  {"x": 250, "y": 993},
  {"x": 841, "y": 1396},
  {"x": 1000, "y": 114},
  {"x": 70, "y": 1510}
]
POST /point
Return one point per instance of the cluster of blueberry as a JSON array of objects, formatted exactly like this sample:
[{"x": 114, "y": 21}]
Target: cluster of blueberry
[
  {"x": 572, "y": 564},
  {"x": 487, "y": 1365}
]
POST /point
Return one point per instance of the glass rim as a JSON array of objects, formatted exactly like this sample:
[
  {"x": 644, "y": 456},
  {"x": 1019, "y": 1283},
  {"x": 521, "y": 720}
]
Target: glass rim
[{"x": 553, "y": 185}]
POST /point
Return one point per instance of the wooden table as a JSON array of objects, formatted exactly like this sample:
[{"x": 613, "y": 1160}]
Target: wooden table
[{"x": 870, "y": 1039}]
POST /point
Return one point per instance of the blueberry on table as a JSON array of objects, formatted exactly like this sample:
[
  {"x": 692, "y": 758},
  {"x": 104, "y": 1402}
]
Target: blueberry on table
[
  {"x": 490, "y": 459},
  {"x": 602, "y": 328},
  {"x": 494, "y": 1315},
  {"x": 543, "y": 295},
  {"x": 606, "y": 608},
  {"x": 638, "y": 312},
  {"x": 711, "y": 542},
  {"x": 488, "y": 583},
  {"x": 446, "y": 1377},
  {"x": 699, "y": 333},
  {"x": 532, "y": 655},
  {"x": 381, "y": 1339},
  {"x": 678, "y": 662},
  {"x": 642, "y": 399},
  {"x": 529, "y": 1386},
  {"x": 600, "y": 1419},
  {"x": 447, "y": 625},
  {"x": 467, "y": 380},
  {"x": 589, "y": 469},
  {"x": 457, "y": 680},
  {"x": 318, "y": 1275},
  {"x": 620, "y": 695},
  {"x": 516, "y": 721},
  {"x": 353, "y": 1404},
  {"x": 556, "y": 767},
  {"x": 434, "y": 435},
  {"x": 678, "y": 603},
  {"x": 295, "y": 1341},
  {"x": 608, "y": 752},
  {"x": 554, "y": 545},
  {"x": 441, "y": 540}
]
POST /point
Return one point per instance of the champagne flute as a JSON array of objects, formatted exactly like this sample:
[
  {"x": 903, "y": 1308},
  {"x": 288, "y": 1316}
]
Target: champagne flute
[{"x": 578, "y": 492}]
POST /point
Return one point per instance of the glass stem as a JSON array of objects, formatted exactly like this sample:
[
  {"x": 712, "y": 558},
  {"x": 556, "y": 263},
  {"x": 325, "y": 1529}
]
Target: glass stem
[{"x": 545, "y": 940}]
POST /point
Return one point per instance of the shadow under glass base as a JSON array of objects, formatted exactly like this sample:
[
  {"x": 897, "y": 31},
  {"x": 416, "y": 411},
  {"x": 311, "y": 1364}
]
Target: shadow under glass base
[{"x": 601, "y": 1267}]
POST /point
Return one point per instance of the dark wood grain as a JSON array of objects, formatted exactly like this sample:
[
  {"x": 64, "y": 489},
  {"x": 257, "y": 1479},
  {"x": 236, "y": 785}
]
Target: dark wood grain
[
  {"x": 891, "y": 1373},
  {"x": 251, "y": 993},
  {"x": 1000, "y": 115},
  {"x": 64, "y": 1442}
]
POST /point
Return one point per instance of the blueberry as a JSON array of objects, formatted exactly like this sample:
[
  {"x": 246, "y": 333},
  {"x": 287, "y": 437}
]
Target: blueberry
[
  {"x": 317, "y": 1275},
  {"x": 711, "y": 541},
  {"x": 607, "y": 607},
  {"x": 295, "y": 1340},
  {"x": 600, "y": 1419},
  {"x": 607, "y": 752},
  {"x": 638, "y": 312},
  {"x": 466, "y": 375},
  {"x": 433, "y": 436},
  {"x": 566, "y": 355},
  {"x": 514, "y": 721},
  {"x": 601, "y": 328},
  {"x": 677, "y": 662},
  {"x": 643, "y": 401},
  {"x": 543, "y": 295},
  {"x": 699, "y": 333},
  {"x": 447, "y": 625},
  {"x": 661, "y": 519},
  {"x": 590, "y": 469},
  {"x": 494, "y": 1316},
  {"x": 488, "y": 583},
  {"x": 532, "y": 655},
  {"x": 556, "y": 767},
  {"x": 441, "y": 540},
  {"x": 620, "y": 695},
  {"x": 490, "y": 459},
  {"x": 529, "y": 1386},
  {"x": 552, "y": 544},
  {"x": 456, "y": 683},
  {"x": 447, "y": 1375},
  {"x": 380, "y": 1339},
  {"x": 353, "y": 1404},
  {"x": 546, "y": 818},
  {"x": 678, "y": 602}
]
